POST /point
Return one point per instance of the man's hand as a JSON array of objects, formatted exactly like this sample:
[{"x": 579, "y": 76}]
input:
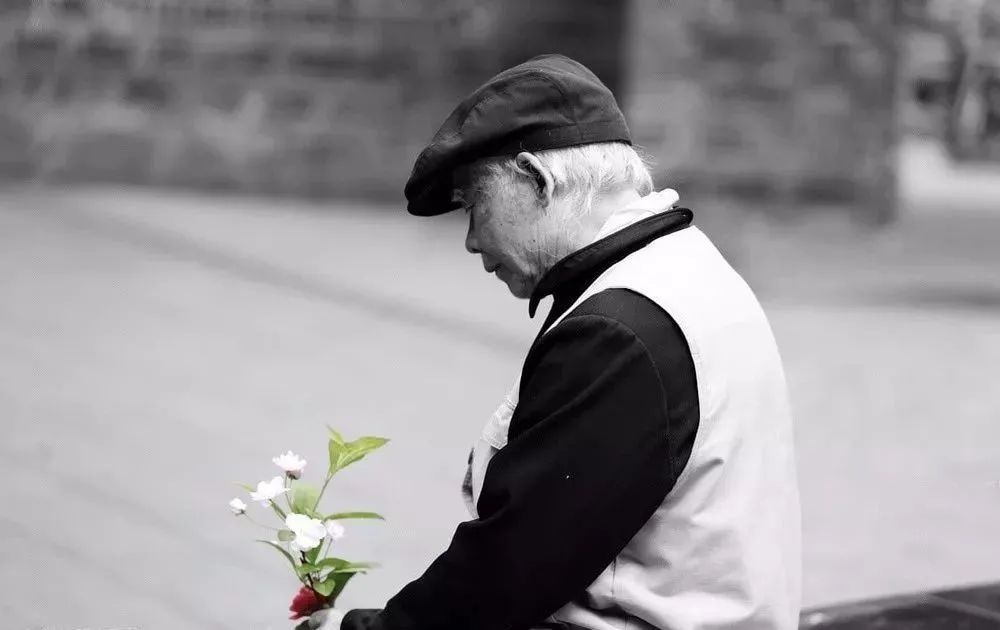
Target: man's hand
[{"x": 326, "y": 619}]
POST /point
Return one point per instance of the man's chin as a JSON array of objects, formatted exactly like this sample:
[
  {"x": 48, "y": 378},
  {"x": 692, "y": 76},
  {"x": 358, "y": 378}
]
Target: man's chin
[
  {"x": 520, "y": 290},
  {"x": 519, "y": 286}
]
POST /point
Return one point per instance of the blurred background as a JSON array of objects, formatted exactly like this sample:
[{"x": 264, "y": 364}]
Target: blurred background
[{"x": 204, "y": 258}]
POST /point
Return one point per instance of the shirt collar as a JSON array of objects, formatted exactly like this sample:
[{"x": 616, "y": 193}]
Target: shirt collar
[
  {"x": 653, "y": 203},
  {"x": 625, "y": 232}
]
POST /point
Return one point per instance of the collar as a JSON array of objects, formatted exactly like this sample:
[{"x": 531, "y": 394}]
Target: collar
[{"x": 570, "y": 277}]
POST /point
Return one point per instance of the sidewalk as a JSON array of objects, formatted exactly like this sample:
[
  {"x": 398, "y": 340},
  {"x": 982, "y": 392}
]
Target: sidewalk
[{"x": 157, "y": 347}]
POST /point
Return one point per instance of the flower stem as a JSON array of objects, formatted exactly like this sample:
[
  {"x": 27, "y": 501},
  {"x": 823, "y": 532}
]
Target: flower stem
[
  {"x": 288, "y": 485},
  {"x": 321, "y": 491},
  {"x": 307, "y": 576}
]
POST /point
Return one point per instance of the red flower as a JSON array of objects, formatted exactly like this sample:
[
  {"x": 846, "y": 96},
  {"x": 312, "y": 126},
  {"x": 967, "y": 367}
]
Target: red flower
[{"x": 306, "y": 602}]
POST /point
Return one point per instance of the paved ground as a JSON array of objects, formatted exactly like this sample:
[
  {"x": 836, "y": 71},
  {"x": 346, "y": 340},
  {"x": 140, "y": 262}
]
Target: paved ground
[{"x": 155, "y": 348}]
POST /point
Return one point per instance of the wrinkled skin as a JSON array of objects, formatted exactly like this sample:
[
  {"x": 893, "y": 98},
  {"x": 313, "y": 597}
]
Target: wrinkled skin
[{"x": 515, "y": 229}]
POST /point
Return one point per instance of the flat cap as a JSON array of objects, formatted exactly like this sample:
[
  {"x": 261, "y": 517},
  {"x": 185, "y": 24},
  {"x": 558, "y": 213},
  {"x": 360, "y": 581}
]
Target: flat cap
[{"x": 548, "y": 102}]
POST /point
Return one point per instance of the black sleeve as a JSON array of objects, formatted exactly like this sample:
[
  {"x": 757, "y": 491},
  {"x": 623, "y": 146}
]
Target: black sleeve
[{"x": 588, "y": 461}]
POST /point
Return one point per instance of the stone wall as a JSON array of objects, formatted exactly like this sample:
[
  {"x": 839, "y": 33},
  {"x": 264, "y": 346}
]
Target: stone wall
[
  {"x": 771, "y": 101},
  {"x": 323, "y": 97},
  {"x": 786, "y": 104}
]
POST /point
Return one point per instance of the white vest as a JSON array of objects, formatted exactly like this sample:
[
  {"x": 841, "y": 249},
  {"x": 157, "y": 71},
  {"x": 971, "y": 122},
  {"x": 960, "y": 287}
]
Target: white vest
[{"x": 723, "y": 550}]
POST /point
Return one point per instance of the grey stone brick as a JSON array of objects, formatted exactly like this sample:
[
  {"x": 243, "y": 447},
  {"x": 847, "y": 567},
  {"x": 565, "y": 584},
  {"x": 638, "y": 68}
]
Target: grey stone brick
[
  {"x": 148, "y": 91},
  {"x": 74, "y": 8},
  {"x": 249, "y": 61},
  {"x": 15, "y": 138},
  {"x": 37, "y": 49},
  {"x": 225, "y": 95},
  {"x": 107, "y": 52},
  {"x": 198, "y": 164},
  {"x": 290, "y": 105},
  {"x": 325, "y": 62},
  {"x": 109, "y": 156},
  {"x": 14, "y": 9},
  {"x": 173, "y": 53},
  {"x": 765, "y": 99}
]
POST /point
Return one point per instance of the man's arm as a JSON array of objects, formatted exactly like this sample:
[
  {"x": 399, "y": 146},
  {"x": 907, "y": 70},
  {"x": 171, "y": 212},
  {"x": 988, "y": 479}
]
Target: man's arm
[{"x": 589, "y": 459}]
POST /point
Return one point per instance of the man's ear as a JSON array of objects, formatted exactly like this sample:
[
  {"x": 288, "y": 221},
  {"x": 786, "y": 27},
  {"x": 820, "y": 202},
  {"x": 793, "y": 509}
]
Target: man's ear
[{"x": 530, "y": 166}]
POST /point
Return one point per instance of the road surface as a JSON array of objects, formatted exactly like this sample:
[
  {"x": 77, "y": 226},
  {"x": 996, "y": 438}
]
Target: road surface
[{"x": 157, "y": 347}]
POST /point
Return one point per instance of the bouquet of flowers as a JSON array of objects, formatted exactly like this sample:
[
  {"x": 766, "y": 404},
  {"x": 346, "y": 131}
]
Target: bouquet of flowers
[{"x": 306, "y": 533}]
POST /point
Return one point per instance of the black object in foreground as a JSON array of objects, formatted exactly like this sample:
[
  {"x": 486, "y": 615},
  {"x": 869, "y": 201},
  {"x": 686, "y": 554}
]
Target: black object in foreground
[{"x": 970, "y": 608}]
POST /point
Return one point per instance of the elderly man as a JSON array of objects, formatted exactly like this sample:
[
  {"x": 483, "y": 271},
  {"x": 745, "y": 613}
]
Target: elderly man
[{"x": 640, "y": 473}]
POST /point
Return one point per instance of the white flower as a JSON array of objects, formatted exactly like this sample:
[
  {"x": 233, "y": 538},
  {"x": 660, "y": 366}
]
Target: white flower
[
  {"x": 291, "y": 463},
  {"x": 238, "y": 507},
  {"x": 309, "y": 532},
  {"x": 268, "y": 490},
  {"x": 334, "y": 530}
]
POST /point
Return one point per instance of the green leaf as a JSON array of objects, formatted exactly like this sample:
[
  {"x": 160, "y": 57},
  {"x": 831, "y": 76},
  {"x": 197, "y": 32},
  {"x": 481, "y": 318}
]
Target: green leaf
[
  {"x": 341, "y": 582},
  {"x": 370, "y": 442},
  {"x": 313, "y": 553},
  {"x": 332, "y": 586},
  {"x": 336, "y": 451},
  {"x": 356, "y": 567},
  {"x": 333, "y": 563},
  {"x": 286, "y": 535},
  {"x": 343, "y": 454},
  {"x": 335, "y": 436},
  {"x": 305, "y": 569},
  {"x": 361, "y": 447},
  {"x": 247, "y": 487},
  {"x": 304, "y": 498},
  {"x": 327, "y": 586},
  {"x": 346, "y": 515},
  {"x": 339, "y": 565},
  {"x": 359, "y": 568},
  {"x": 283, "y": 552}
]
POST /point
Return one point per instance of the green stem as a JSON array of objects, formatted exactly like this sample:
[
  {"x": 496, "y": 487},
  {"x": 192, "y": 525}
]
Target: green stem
[
  {"x": 322, "y": 553},
  {"x": 288, "y": 491},
  {"x": 280, "y": 512},
  {"x": 321, "y": 491},
  {"x": 307, "y": 576}
]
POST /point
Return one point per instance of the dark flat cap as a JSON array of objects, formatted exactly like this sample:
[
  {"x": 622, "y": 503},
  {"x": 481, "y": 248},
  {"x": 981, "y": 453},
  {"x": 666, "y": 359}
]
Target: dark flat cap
[{"x": 548, "y": 102}]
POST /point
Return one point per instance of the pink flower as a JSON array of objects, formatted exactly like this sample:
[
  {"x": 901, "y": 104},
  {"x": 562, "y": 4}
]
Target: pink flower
[{"x": 306, "y": 602}]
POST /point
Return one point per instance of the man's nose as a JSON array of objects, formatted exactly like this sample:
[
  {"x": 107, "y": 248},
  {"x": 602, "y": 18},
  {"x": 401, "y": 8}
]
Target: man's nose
[{"x": 471, "y": 243}]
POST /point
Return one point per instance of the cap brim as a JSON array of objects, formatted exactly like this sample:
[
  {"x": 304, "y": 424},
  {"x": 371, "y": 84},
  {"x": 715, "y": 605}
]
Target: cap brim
[{"x": 432, "y": 201}]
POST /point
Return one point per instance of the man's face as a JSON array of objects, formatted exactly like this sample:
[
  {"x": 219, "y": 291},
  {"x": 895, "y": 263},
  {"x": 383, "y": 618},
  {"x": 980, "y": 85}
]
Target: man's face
[{"x": 508, "y": 230}]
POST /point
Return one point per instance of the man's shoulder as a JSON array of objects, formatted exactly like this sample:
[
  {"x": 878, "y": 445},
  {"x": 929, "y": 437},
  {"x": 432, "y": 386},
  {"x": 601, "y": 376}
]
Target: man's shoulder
[
  {"x": 640, "y": 319},
  {"x": 620, "y": 338},
  {"x": 625, "y": 307}
]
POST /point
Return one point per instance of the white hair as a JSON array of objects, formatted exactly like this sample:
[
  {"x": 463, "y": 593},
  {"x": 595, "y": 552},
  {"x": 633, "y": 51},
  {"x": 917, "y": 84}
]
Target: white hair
[{"x": 580, "y": 174}]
